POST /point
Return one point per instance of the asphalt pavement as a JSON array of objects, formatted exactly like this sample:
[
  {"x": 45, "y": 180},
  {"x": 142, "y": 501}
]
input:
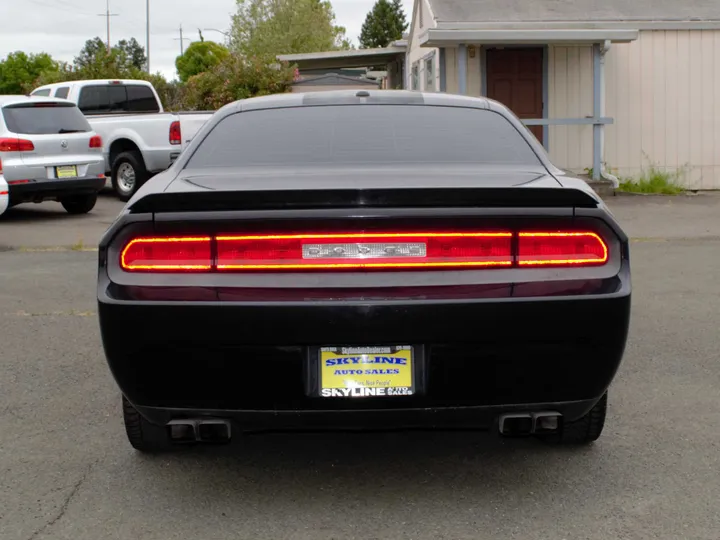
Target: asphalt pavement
[{"x": 67, "y": 472}]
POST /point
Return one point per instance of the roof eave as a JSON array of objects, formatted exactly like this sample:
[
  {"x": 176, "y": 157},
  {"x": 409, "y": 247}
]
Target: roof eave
[
  {"x": 582, "y": 25},
  {"x": 437, "y": 37}
]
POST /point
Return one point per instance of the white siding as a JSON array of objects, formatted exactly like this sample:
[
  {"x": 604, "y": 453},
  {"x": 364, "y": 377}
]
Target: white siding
[
  {"x": 663, "y": 92},
  {"x": 570, "y": 95},
  {"x": 417, "y": 53}
]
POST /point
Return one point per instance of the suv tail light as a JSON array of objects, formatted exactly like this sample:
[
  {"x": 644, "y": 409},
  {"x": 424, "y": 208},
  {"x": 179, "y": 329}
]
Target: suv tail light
[
  {"x": 175, "y": 133},
  {"x": 96, "y": 141},
  {"x": 363, "y": 251},
  {"x": 16, "y": 145}
]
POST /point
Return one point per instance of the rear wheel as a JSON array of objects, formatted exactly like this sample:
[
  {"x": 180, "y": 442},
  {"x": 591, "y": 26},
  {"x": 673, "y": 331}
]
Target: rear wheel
[
  {"x": 584, "y": 430},
  {"x": 79, "y": 204},
  {"x": 143, "y": 435},
  {"x": 128, "y": 174}
]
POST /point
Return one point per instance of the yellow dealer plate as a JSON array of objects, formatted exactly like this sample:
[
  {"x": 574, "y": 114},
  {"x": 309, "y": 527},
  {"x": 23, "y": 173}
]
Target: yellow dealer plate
[
  {"x": 366, "y": 371},
  {"x": 68, "y": 171}
]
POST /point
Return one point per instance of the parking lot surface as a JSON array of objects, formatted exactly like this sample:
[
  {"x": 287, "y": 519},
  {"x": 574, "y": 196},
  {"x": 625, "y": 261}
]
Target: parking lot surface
[{"x": 67, "y": 472}]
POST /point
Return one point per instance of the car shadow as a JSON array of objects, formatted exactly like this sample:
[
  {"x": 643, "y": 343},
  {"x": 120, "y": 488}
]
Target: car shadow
[{"x": 329, "y": 466}]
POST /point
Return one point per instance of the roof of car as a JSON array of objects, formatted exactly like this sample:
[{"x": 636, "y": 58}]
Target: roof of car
[
  {"x": 12, "y": 99},
  {"x": 358, "y": 97},
  {"x": 95, "y": 81}
]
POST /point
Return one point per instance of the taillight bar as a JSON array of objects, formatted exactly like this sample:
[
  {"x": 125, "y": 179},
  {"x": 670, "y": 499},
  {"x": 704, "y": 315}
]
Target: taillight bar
[
  {"x": 363, "y": 251},
  {"x": 182, "y": 254},
  {"x": 560, "y": 249}
]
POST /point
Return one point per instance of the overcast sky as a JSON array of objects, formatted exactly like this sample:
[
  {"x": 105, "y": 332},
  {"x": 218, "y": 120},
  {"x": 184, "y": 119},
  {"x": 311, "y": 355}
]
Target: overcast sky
[{"x": 61, "y": 27}]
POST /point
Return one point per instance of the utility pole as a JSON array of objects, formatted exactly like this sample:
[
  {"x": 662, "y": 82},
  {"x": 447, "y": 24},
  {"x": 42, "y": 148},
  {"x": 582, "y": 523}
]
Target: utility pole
[
  {"x": 147, "y": 33},
  {"x": 182, "y": 41},
  {"x": 107, "y": 15}
]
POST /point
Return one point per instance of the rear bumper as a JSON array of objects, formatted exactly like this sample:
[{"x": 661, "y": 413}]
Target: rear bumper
[
  {"x": 38, "y": 191},
  {"x": 256, "y": 362}
]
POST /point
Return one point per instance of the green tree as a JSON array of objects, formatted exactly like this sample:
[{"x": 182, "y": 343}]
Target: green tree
[
  {"x": 199, "y": 57},
  {"x": 266, "y": 28},
  {"x": 19, "y": 70},
  {"x": 384, "y": 24},
  {"x": 133, "y": 54},
  {"x": 97, "y": 63}
]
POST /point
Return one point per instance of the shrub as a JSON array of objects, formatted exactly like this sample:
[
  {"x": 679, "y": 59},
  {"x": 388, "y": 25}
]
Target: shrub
[{"x": 236, "y": 78}]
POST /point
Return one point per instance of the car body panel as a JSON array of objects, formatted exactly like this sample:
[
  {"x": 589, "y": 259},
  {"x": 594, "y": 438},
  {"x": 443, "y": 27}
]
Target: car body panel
[
  {"x": 149, "y": 132},
  {"x": 245, "y": 346},
  {"x": 35, "y": 172}
]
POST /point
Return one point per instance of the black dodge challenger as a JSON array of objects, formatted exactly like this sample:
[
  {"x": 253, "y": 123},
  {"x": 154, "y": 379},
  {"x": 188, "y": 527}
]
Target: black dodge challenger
[{"x": 363, "y": 260}]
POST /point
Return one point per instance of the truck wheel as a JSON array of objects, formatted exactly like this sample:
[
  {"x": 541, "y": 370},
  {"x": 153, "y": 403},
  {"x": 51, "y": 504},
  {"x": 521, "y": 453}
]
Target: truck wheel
[
  {"x": 584, "y": 430},
  {"x": 128, "y": 174},
  {"x": 79, "y": 204},
  {"x": 143, "y": 435}
]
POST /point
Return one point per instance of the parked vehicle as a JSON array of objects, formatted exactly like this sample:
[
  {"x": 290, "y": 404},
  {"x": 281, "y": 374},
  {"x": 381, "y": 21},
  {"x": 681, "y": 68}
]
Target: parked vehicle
[
  {"x": 439, "y": 272},
  {"x": 48, "y": 151},
  {"x": 4, "y": 194},
  {"x": 141, "y": 139}
]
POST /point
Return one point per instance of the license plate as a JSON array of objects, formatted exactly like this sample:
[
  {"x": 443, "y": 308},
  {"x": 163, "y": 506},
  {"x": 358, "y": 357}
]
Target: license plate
[
  {"x": 366, "y": 371},
  {"x": 68, "y": 171}
]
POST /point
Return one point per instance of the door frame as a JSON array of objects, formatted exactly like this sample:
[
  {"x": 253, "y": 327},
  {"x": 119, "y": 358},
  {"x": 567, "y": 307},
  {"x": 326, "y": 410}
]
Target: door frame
[{"x": 545, "y": 78}]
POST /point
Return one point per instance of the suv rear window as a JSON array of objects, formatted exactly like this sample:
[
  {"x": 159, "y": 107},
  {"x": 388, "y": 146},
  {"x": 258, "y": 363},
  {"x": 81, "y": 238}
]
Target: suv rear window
[
  {"x": 44, "y": 118},
  {"x": 363, "y": 134},
  {"x": 107, "y": 99}
]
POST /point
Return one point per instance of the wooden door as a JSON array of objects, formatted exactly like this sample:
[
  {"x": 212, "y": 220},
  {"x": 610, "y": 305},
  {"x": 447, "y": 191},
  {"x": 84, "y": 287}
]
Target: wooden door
[{"x": 515, "y": 78}]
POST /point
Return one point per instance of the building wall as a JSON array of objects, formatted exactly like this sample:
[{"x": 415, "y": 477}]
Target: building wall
[
  {"x": 663, "y": 91},
  {"x": 417, "y": 55}
]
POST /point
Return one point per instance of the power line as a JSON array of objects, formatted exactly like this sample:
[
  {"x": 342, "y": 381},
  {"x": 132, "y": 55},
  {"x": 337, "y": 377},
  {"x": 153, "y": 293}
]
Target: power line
[{"x": 107, "y": 15}]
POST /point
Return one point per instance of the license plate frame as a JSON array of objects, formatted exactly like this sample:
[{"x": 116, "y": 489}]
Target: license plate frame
[
  {"x": 66, "y": 171},
  {"x": 320, "y": 384}
]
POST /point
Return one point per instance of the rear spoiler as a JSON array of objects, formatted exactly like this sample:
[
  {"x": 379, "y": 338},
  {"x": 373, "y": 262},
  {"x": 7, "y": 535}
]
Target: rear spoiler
[{"x": 513, "y": 197}]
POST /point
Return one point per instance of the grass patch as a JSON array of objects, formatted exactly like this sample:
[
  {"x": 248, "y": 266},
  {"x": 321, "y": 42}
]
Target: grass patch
[{"x": 654, "y": 181}]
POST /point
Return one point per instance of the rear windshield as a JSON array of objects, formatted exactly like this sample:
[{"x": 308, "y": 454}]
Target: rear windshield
[
  {"x": 108, "y": 99},
  {"x": 44, "y": 118},
  {"x": 363, "y": 134}
]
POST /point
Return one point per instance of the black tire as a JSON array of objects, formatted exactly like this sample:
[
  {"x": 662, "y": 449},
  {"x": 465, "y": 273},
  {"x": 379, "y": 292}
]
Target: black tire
[
  {"x": 79, "y": 204},
  {"x": 143, "y": 435},
  {"x": 584, "y": 430},
  {"x": 121, "y": 182}
]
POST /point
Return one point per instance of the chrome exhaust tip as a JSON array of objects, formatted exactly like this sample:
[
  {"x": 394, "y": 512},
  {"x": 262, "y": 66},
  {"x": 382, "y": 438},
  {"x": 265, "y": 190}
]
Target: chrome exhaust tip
[
  {"x": 199, "y": 430},
  {"x": 529, "y": 423}
]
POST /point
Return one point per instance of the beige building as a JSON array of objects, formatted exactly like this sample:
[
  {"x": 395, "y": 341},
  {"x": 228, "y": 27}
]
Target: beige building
[
  {"x": 629, "y": 84},
  {"x": 333, "y": 81}
]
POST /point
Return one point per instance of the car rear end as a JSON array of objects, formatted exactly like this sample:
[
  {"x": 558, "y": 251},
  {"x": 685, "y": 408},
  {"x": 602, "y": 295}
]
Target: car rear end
[
  {"x": 363, "y": 297},
  {"x": 48, "y": 151}
]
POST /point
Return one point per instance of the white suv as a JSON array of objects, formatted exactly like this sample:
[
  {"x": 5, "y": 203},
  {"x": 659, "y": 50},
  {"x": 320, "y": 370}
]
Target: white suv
[{"x": 48, "y": 151}]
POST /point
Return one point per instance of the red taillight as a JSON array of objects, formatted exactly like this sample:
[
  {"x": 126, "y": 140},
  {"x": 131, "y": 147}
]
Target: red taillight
[
  {"x": 561, "y": 249},
  {"x": 96, "y": 141},
  {"x": 15, "y": 182},
  {"x": 184, "y": 254},
  {"x": 175, "y": 133},
  {"x": 364, "y": 251},
  {"x": 16, "y": 145}
]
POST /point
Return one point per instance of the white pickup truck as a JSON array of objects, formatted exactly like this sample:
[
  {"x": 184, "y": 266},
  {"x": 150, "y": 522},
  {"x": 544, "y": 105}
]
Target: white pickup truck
[{"x": 140, "y": 139}]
